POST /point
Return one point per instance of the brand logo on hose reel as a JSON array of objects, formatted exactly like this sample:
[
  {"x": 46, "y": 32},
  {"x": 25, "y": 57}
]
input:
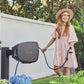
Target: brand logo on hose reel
[{"x": 28, "y": 52}]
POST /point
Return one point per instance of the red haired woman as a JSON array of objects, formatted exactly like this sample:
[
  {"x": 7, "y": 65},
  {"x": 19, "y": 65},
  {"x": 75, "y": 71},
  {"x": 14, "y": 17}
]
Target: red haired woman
[{"x": 65, "y": 37}]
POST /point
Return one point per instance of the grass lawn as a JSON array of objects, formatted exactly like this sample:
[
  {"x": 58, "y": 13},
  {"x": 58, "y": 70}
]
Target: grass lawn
[{"x": 50, "y": 80}]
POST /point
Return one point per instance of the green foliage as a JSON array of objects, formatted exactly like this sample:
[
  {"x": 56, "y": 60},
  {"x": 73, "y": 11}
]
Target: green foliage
[
  {"x": 25, "y": 8},
  {"x": 77, "y": 79},
  {"x": 4, "y": 81},
  {"x": 31, "y": 9},
  {"x": 79, "y": 47},
  {"x": 0, "y": 45},
  {"x": 35, "y": 9},
  {"x": 55, "y": 5}
]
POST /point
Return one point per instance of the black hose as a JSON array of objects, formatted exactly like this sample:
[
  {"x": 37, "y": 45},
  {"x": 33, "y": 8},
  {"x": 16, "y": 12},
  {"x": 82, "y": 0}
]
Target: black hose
[
  {"x": 16, "y": 67},
  {"x": 61, "y": 65}
]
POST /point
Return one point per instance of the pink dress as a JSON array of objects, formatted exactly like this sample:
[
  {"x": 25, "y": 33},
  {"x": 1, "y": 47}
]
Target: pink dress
[{"x": 61, "y": 47}]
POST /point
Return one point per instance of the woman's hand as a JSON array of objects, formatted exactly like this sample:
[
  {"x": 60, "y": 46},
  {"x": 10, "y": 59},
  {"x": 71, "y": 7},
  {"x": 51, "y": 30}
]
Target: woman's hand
[
  {"x": 71, "y": 44},
  {"x": 44, "y": 49},
  {"x": 50, "y": 42}
]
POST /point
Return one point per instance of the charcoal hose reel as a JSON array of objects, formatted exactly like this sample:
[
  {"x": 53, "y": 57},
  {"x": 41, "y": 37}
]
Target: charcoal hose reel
[{"x": 27, "y": 52}]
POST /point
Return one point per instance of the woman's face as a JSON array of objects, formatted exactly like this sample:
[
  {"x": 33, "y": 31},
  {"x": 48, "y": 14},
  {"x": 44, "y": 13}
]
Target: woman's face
[{"x": 65, "y": 17}]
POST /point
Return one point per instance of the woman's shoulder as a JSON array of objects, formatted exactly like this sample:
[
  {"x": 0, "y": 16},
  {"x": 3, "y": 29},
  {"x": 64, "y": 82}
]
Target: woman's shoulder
[{"x": 72, "y": 28}]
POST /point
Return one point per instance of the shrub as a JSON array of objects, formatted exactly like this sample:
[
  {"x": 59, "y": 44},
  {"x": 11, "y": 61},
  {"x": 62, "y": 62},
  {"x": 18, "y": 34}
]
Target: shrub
[
  {"x": 0, "y": 45},
  {"x": 77, "y": 79},
  {"x": 79, "y": 47},
  {"x": 4, "y": 81}
]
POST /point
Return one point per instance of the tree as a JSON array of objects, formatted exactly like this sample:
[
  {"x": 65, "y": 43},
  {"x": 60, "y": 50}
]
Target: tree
[
  {"x": 46, "y": 11},
  {"x": 55, "y": 5},
  {"x": 4, "y": 6},
  {"x": 25, "y": 8}
]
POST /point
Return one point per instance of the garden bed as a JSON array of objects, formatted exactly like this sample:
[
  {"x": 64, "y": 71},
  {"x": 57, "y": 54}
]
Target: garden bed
[{"x": 72, "y": 79}]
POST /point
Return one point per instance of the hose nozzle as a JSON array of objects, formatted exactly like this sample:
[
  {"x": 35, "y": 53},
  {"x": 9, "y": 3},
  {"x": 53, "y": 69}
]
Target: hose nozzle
[{"x": 70, "y": 50}]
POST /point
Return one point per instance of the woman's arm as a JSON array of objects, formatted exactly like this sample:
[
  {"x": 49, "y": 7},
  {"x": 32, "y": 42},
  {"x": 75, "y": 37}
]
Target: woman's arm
[{"x": 50, "y": 43}]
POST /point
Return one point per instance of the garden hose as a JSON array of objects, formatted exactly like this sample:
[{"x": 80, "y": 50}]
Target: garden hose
[{"x": 68, "y": 51}]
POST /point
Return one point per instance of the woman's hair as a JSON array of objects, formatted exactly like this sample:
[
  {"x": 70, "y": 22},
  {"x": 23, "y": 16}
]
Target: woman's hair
[{"x": 59, "y": 28}]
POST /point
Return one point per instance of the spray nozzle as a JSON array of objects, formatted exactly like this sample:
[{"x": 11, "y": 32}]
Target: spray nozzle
[{"x": 70, "y": 50}]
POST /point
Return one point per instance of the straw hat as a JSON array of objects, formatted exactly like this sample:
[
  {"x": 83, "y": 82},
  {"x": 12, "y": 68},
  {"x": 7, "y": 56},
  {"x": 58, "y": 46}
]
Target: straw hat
[{"x": 64, "y": 10}]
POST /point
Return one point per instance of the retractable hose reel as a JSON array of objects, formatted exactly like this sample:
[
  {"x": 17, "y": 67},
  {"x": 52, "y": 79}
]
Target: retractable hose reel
[{"x": 28, "y": 52}]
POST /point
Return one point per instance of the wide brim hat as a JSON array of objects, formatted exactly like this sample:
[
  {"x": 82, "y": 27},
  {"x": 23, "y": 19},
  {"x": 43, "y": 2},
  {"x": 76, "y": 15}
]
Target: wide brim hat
[{"x": 64, "y": 10}]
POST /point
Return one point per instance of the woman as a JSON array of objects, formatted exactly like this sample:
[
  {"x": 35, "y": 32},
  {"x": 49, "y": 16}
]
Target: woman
[{"x": 65, "y": 37}]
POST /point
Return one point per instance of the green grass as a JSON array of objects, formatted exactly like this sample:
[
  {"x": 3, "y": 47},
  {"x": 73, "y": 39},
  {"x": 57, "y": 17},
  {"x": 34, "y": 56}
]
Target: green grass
[
  {"x": 50, "y": 80},
  {"x": 77, "y": 79}
]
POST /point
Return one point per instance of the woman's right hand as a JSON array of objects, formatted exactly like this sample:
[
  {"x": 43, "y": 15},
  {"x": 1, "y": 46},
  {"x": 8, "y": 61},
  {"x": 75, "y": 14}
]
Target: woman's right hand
[
  {"x": 44, "y": 49},
  {"x": 50, "y": 42}
]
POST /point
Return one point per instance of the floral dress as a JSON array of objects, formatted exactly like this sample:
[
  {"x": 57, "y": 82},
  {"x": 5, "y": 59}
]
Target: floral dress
[{"x": 61, "y": 47}]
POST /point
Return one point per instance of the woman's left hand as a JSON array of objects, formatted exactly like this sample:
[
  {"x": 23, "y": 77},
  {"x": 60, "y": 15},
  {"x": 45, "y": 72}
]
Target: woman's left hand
[{"x": 71, "y": 44}]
